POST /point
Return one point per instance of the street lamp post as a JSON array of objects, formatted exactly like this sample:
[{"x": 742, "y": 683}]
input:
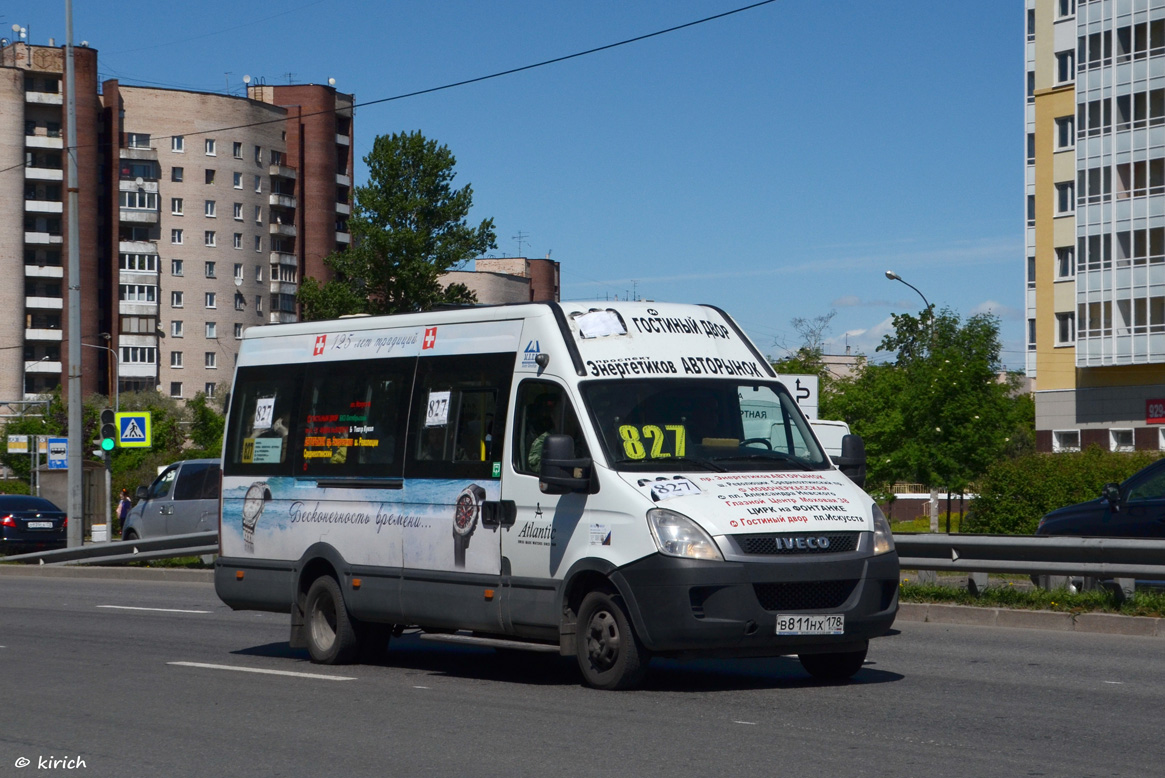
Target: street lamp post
[
  {"x": 116, "y": 361},
  {"x": 895, "y": 277}
]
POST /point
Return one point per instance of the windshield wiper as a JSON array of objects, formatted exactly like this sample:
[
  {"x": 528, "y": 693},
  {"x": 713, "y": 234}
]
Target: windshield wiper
[{"x": 662, "y": 462}]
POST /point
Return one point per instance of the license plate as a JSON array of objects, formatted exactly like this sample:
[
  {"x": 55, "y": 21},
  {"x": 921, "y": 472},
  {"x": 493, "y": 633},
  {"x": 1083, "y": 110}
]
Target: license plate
[
  {"x": 830, "y": 624},
  {"x": 40, "y": 525}
]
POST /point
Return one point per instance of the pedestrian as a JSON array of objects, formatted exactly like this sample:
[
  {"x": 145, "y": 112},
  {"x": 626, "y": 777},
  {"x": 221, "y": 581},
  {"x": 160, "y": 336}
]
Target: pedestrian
[{"x": 123, "y": 507}]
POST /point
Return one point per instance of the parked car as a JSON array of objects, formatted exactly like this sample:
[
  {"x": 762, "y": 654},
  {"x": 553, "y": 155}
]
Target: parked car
[
  {"x": 1133, "y": 509},
  {"x": 30, "y": 523},
  {"x": 182, "y": 499}
]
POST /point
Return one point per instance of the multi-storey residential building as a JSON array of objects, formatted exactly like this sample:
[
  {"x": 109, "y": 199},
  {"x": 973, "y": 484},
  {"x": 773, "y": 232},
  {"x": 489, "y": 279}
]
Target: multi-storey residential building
[
  {"x": 200, "y": 213},
  {"x": 1095, "y": 300}
]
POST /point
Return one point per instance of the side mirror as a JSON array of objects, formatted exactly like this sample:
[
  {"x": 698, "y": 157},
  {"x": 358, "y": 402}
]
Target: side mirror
[
  {"x": 141, "y": 493},
  {"x": 1112, "y": 493},
  {"x": 852, "y": 460},
  {"x": 561, "y": 472}
]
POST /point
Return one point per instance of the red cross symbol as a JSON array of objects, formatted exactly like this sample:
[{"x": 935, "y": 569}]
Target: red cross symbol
[
  {"x": 319, "y": 349},
  {"x": 430, "y": 338}
]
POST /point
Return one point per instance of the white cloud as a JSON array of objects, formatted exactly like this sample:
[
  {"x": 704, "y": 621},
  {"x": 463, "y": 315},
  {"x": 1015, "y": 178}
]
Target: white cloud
[{"x": 999, "y": 309}]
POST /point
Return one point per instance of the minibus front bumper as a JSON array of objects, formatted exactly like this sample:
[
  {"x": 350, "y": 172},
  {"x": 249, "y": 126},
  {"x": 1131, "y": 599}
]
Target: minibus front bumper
[{"x": 730, "y": 608}]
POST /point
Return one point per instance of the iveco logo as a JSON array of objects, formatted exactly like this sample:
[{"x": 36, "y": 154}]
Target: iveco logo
[{"x": 803, "y": 544}]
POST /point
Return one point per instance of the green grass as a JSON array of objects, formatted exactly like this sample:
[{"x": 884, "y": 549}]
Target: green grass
[
  {"x": 192, "y": 562},
  {"x": 922, "y": 524},
  {"x": 1142, "y": 603}
]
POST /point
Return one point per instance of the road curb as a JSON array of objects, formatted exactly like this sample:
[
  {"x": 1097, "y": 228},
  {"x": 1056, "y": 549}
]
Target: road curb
[
  {"x": 178, "y": 574},
  {"x": 967, "y": 615}
]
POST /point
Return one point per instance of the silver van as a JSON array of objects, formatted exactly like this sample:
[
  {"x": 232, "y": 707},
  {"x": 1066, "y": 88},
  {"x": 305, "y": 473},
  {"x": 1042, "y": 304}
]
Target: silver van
[{"x": 182, "y": 499}]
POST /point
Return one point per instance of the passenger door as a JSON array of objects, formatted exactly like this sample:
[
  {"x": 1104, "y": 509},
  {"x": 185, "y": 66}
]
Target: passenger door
[
  {"x": 1145, "y": 505},
  {"x": 159, "y": 503},
  {"x": 192, "y": 505}
]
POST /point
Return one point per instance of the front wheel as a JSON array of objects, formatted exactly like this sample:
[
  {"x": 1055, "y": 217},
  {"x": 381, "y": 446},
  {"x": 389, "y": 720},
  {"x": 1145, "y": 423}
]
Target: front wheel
[
  {"x": 610, "y": 654},
  {"x": 834, "y": 667},
  {"x": 331, "y": 635}
]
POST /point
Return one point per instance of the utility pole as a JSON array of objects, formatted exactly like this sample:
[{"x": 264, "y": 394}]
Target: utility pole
[{"x": 76, "y": 503}]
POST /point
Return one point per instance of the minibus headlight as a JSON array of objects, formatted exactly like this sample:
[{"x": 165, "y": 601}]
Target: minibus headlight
[
  {"x": 677, "y": 535},
  {"x": 883, "y": 538}
]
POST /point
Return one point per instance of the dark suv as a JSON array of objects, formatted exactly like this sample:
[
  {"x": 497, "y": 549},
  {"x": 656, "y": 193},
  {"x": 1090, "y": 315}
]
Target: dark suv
[{"x": 1133, "y": 509}]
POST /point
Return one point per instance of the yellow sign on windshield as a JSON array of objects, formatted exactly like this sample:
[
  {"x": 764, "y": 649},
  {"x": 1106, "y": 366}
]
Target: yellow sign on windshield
[{"x": 636, "y": 441}]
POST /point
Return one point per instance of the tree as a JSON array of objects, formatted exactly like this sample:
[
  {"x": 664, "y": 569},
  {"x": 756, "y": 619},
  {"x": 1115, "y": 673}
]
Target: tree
[
  {"x": 408, "y": 227},
  {"x": 937, "y": 414},
  {"x": 807, "y": 359}
]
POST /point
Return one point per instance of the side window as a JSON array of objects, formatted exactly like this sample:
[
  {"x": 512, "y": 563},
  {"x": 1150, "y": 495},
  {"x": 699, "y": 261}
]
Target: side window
[
  {"x": 263, "y": 408},
  {"x": 191, "y": 480},
  {"x": 458, "y": 414},
  {"x": 163, "y": 483},
  {"x": 1151, "y": 487},
  {"x": 213, "y": 484},
  {"x": 542, "y": 409},
  {"x": 353, "y": 418}
]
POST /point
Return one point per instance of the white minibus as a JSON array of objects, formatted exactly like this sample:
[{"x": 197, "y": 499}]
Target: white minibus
[{"x": 609, "y": 481}]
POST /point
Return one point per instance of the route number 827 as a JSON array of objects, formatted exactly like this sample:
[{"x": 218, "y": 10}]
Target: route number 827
[{"x": 649, "y": 441}]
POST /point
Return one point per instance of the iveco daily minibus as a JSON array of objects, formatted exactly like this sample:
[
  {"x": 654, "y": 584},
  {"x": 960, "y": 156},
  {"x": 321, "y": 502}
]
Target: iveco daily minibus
[{"x": 611, "y": 482}]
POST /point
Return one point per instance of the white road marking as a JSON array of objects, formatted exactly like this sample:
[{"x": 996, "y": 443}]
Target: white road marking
[
  {"x": 749, "y": 723},
  {"x": 1116, "y": 683},
  {"x": 415, "y": 687},
  {"x": 157, "y": 610},
  {"x": 262, "y": 671}
]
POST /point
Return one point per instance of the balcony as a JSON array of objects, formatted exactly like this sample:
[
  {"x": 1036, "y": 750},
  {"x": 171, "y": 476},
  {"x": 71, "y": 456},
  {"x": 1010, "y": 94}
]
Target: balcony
[
  {"x": 281, "y": 258},
  {"x": 344, "y": 208},
  {"x": 284, "y": 230},
  {"x": 281, "y": 201},
  {"x": 44, "y": 142},
  {"x": 137, "y": 308},
  {"x": 137, "y": 153},
  {"x": 137, "y": 247},
  {"x": 44, "y": 271},
  {"x": 42, "y": 239},
  {"x": 137, "y": 370},
  {"x": 343, "y": 180},
  {"x": 42, "y": 366},
  {"x": 43, "y": 334},
  {"x": 131, "y": 185},
  {"x": 138, "y": 216},
  {"x": 284, "y": 287},
  {"x": 44, "y": 206},
  {"x": 343, "y": 237},
  {"x": 343, "y": 140},
  {"x": 282, "y": 317},
  {"x": 44, "y": 98},
  {"x": 281, "y": 171},
  {"x": 44, "y": 174},
  {"x": 44, "y": 303}
]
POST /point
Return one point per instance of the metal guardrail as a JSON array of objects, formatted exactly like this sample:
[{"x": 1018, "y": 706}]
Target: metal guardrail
[
  {"x": 118, "y": 552},
  {"x": 1033, "y": 555}
]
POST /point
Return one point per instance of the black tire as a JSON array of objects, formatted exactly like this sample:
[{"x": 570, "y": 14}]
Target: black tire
[
  {"x": 834, "y": 667},
  {"x": 129, "y": 535},
  {"x": 331, "y": 635},
  {"x": 610, "y": 654}
]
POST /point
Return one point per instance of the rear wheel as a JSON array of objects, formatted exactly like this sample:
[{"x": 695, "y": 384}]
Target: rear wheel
[
  {"x": 129, "y": 535},
  {"x": 331, "y": 635},
  {"x": 834, "y": 667},
  {"x": 610, "y": 654}
]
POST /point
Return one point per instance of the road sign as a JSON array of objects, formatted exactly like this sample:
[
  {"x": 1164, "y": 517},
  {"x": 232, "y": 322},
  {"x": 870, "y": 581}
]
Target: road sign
[
  {"x": 133, "y": 429},
  {"x": 58, "y": 453},
  {"x": 804, "y": 391},
  {"x": 18, "y": 444}
]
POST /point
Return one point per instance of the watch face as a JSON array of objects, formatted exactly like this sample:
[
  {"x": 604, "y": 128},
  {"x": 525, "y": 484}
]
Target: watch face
[
  {"x": 466, "y": 509},
  {"x": 254, "y": 501}
]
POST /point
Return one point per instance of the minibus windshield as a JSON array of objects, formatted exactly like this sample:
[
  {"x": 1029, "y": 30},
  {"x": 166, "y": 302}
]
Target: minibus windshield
[{"x": 682, "y": 424}]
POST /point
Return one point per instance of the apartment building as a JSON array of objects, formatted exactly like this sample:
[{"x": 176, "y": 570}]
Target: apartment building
[
  {"x": 509, "y": 279},
  {"x": 200, "y": 213},
  {"x": 1095, "y": 236}
]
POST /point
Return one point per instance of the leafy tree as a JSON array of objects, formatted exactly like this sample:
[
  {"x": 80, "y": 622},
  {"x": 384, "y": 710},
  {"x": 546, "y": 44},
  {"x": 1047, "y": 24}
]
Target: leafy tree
[
  {"x": 807, "y": 359},
  {"x": 206, "y": 426},
  {"x": 408, "y": 227},
  {"x": 937, "y": 414}
]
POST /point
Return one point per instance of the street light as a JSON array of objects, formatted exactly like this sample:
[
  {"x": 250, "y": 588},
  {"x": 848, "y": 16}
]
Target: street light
[
  {"x": 895, "y": 277},
  {"x": 116, "y": 366}
]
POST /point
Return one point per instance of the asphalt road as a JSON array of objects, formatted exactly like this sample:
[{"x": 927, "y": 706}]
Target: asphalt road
[{"x": 135, "y": 678}]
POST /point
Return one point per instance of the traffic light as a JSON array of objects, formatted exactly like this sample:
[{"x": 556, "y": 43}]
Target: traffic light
[{"x": 108, "y": 430}]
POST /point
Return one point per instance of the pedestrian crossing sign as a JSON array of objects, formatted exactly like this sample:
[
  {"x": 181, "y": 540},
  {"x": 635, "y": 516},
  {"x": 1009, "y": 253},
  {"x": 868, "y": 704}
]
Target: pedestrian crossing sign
[{"x": 133, "y": 429}]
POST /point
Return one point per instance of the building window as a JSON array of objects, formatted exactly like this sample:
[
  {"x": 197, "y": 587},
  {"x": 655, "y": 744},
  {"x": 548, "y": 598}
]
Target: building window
[
  {"x": 137, "y": 293},
  {"x": 209, "y": 145},
  {"x": 1031, "y": 334},
  {"x": 176, "y": 389},
  {"x": 1065, "y": 440},
  {"x": 1031, "y": 24},
  {"x": 175, "y": 329},
  {"x": 175, "y": 267},
  {"x": 210, "y": 176},
  {"x": 238, "y": 180},
  {"x": 209, "y": 269},
  {"x": 176, "y": 237},
  {"x": 259, "y": 304},
  {"x": 258, "y": 274},
  {"x": 238, "y": 331},
  {"x": 210, "y": 300},
  {"x": 146, "y": 263},
  {"x": 175, "y": 299},
  {"x": 138, "y": 355},
  {"x": 209, "y": 389},
  {"x": 258, "y": 214},
  {"x": 1031, "y": 272},
  {"x": 211, "y": 330},
  {"x": 208, "y": 238},
  {"x": 238, "y": 240},
  {"x": 1031, "y": 86},
  {"x": 1065, "y": 198},
  {"x": 238, "y": 212},
  {"x": 140, "y": 201},
  {"x": 258, "y": 155},
  {"x": 1065, "y": 8},
  {"x": 1065, "y": 66},
  {"x": 1065, "y": 132},
  {"x": 211, "y": 359},
  {"x": 258, "y": 243},
  {"x": 1065, "y": 329},
  {"x": 211, "y": 209},
  {"x": 1066, "y": 262},
  {"x": 1031, "y": 210},
  {"x": 240, "y": 302},
  {"x": 258, "y": 183},
  {"x": 239, "y": 271},
  {"x": 175, "y": 359},
  {"x": 237, "y": 150},
  {"x": 1031, "y": 148},
  {"x": 1120, "y": 440},
  {"x": 178, "y": 143},
  {"x": 176, "y": 206},
  {"x": 176, "y": 174}
]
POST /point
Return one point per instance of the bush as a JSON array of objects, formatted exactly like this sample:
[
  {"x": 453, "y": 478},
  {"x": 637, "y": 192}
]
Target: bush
[{"x": 1016, "y": 493}]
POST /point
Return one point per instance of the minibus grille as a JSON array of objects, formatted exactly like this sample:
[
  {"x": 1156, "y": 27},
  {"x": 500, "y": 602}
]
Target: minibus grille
[
  {"x": 779, "y": 543},
  {"x": 803, "y": 595}
]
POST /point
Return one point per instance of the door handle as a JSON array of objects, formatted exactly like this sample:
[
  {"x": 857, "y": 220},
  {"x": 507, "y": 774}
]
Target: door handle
[{"x": 498, "y": 513}]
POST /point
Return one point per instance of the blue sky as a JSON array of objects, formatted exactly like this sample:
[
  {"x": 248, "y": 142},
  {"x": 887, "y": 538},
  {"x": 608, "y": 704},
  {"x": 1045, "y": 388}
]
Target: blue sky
[{"x": 775, "y": 162}]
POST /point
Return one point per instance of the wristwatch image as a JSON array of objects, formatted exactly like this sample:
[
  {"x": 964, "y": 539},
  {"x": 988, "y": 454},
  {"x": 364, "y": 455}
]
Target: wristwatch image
[
  {"x": 465, "y": 514},
  {"x": 256, "y": 499}
]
